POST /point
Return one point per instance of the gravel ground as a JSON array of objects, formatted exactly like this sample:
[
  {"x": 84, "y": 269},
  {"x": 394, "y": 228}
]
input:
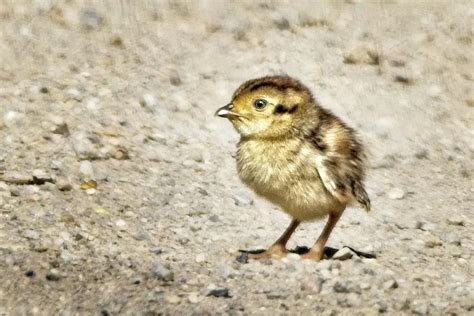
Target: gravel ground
[{"x": 119, "y": 194}]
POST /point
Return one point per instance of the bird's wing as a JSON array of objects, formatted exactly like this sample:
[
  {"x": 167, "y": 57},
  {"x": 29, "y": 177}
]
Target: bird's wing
[{"x": 340, "y": 162}]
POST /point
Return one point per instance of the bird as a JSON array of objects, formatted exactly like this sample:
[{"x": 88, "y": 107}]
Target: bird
[{"x": 296, "y": 154}]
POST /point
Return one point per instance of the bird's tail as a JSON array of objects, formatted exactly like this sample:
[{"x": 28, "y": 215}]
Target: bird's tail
[{"x": 361, "y": 195}]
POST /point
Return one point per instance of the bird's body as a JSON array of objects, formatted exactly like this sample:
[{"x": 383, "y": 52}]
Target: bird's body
[
  {"x": 296, "y": 154},
  {"x": 285, "y": 173}
]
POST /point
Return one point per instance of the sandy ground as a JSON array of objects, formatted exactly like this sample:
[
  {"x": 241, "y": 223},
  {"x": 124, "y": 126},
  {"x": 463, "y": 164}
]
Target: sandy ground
[{"x": 118, "y": 188}]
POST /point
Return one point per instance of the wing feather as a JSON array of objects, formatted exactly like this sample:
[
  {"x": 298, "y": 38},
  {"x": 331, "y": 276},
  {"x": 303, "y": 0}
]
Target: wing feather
[{"x": 341, "y": 160}]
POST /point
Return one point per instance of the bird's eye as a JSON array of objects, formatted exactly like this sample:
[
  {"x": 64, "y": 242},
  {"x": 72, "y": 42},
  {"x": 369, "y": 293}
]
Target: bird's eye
[{"x": 260, "y": 104}]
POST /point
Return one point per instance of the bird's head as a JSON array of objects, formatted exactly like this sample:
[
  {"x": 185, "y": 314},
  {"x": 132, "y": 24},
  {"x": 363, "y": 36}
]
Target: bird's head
[{"x": 268, "y": 107}]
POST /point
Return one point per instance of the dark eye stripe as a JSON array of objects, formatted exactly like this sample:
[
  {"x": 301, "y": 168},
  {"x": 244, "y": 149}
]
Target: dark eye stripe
[{"x": 280, "y": 109}]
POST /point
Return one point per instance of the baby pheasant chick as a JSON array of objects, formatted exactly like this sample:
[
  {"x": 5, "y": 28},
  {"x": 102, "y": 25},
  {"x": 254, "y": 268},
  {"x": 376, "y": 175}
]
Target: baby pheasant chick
[{"x": 296, "y": 154}]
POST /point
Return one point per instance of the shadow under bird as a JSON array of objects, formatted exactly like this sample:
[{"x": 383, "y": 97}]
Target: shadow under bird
[{"x": 297, "y": 155}]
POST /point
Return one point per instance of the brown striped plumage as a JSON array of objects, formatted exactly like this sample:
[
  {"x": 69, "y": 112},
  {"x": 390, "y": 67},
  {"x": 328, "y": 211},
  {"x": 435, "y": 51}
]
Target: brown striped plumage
[{"x": 295, "y": 153}]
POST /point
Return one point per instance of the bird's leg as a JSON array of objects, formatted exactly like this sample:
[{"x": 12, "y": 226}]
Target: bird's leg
[
  {"x": 278, "y": 249},
  {"x": 317, "y": 251}
]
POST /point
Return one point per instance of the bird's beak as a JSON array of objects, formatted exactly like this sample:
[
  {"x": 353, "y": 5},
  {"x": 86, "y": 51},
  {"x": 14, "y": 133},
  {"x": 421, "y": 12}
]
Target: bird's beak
[{"x": 226, "y": 111}]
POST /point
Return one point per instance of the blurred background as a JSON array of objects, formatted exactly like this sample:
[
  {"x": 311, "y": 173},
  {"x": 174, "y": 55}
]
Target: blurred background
[{"x": 118, "y": 190}]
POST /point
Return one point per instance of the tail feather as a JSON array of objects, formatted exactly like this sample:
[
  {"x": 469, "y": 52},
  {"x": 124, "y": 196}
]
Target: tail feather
[{"x": 361, "y": 195}]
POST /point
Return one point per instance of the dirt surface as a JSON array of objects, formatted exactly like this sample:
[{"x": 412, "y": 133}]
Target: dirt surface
[{"x": 119, "y": 193}]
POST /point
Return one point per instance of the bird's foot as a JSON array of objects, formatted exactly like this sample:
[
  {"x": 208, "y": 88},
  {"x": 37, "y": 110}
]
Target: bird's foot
[
  {"x": 313, "y": 254},
  {"x": 274, "y": 252}
]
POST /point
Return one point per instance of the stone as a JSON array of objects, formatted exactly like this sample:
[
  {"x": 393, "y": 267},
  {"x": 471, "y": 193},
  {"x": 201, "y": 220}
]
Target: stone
[
  {"x": 121, "y": 223},
  {"x": 452, "y": 239},
  {"x": 53, "y": 275},
  {"x": 200, "y": 258},
  {"x": 293, "y": 257},
  {"x": 4, "y": 187},
  {"x": 156, "y": 250},
  {"x": 224, "y": 271},
  {"x": 87, "y": 169},
  {"x": 56, "y": 165},
  {"x": 84, "y": 148},
  {"x": 11, "y": 117},
  {"x": 120, "y": 153},
  {"x": 282, "y": 24},
  {"x": 162, "y": 273},
  {"x": 63, "y": 185},
  {"x": 242, "y": 197},
  {"x": 396, "y": 194},
  {"x": 61, "y": 129},
  {"x": 455, "y": 221},
  {"x": 429, "y": 227},
  {"x": 344, "y": 254},
  {"x": 148, "y": 101},
  {"x": 175, "y": 79},
  {"x": 117, "y": 41},
  {"x": 193, "y": 298},
  {"x": 179, "y": 102},
  {"x": 214, "y": 218},
  {"x": 92, "y": 104},
  {"x": 173, "y": 299},
  {"x": 433, "y": 242},
  {"x": 137, "y": 280},
  {"x": 220, "y": 292},
  {"x": 31, "y": 234},
  {"x": 362, "y": 54},
  {"x": 16, "y": 178},
  {"x": 344, "y": 286},
  {"x": 74, "y": 94},
  {"x": 419, "y": 307},
  {"x": 313, "y": 284},
  {"x": 403, "y": 79},
  {"x": 242, "y": 258},
  {"x": 390, "y": 284},
  {"x": 40, "y": 177},
  {"x": 91, "y": 19},
  {"x": 277, "y": 295}
]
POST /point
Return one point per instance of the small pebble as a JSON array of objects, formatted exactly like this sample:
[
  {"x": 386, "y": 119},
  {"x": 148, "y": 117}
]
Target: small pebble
[
  {"x": 53, "y": 275},
  {"x": 120, "y": 223},
  {"x": 63, "y": 185},
  {"x": 343, "y": 254},
  {"x": 162, "y": 273},
  {"x": 293, "y": 257},
  {"x": 200, "y": 258},
  {"x": 193, "y": 298},
  {"x": 242, "y": 197},
  {"x": 282, "y": 24},
  {"x": 156, "y": 250},
  {"x": 433, "y": 242},
  {"x": 40, "y": 177},
  {"x": 86, "y": 168},
  {"x": 220, "y": 292},
  {"x": 455, "y": 221},
  {"x": 362, "y": 54},
  {"x": 419, "y": 308},
  {"x": 148, "y": 101},
  {"x": 175, "y": 79},
  {"x": 396, "y": 194},
  {"x": 390, "y": 284},
  {"x": 91, "y": 19},
  {"x": 243, "y": 258},
  {"x": 173, "y": 299},
  {"x": 137, "y": 280}
]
